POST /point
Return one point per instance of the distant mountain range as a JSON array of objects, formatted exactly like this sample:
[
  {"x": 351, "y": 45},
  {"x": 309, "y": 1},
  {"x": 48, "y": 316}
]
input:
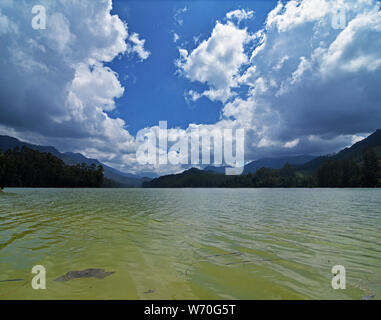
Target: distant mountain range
[
  {"x": 272, "y": 163},
  {"x": 269, "y": 172},
  {"x": 308, "y": 162},
  {"x": 354, "y": 152},
  {"x": 303, "y": 163},
  {"x": 119, "y": 178}
]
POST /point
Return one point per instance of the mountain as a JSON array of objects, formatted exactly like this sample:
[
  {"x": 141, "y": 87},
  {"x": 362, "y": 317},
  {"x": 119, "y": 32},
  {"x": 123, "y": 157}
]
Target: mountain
[
  {"x": 27, "y": 168},
  {"x": 7, "y": 142},
  {"x": 286, "y": 177},
  {"x": 311, "y": 163},
  {"x": 357, "y": 166},
  {"x": 215, "y": 169},
  {"x": 122, "y": 179},
  {"x": 274, "y": 175},
  {"x": 272, "y": 163},
  {"x": 192, "y": 178},
  {"x": 354, "y": 152},
  {"x": 371, "y": 142},
  {"x": 79, "y": 158},
  {"x": 276, "y": 163}
]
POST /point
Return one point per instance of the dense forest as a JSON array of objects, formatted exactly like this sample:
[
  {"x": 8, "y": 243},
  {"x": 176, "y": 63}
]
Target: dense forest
[
  {"x": 331, "y": 173},
  {"x": 264, "y": 177},
  {"x": 348, "y": 173},
  {"x": 357, "y": 166},
  {"x": 30, "y": 168}
]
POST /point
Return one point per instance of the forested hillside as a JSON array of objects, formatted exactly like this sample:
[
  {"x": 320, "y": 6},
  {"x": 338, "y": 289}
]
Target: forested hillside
[
  {"x": 31, "y": 168},
  {"x": 357, "y": 166}
]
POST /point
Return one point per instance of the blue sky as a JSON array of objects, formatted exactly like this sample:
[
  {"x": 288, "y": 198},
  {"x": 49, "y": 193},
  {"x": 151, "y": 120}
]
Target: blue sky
[
  {"x": 298, "y": 76},
  {"x": 165, "y": 100}
]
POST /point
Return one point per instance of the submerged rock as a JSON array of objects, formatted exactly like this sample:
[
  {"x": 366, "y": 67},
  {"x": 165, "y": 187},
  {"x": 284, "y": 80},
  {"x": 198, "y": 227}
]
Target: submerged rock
[
  {"x": 149, "y": 291},
  {"x": 88, "y": 273}
]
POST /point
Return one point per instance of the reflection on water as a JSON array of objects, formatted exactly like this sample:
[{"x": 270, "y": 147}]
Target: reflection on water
[{"x": 191, "y": 243}]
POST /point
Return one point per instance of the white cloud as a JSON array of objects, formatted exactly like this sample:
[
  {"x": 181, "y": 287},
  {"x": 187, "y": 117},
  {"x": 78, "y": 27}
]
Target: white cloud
[
  {"x": 240, "y": 15},
  {"x": 6, "y": 25},
  {"x": 292, "y": 144},
  {"x": 196, "y": 39},
  {"x": 178, "y": 16},
  {"x": 217, "y": 61},
  {"x": 298, "y": 13},
  {"x": 95, "y": 86},
  {"x": 307, "y": 87},
  {"x": 176, "y": 37},
  {"x": 56, "y": 77},
  {"x": 357, "y": 47},
  {"x": 138, "y": 46}
]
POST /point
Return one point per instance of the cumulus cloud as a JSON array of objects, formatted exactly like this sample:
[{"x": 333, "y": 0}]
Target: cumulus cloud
[
  {"x": 217, "y": 60},
  {"x": 308, "y": 85},
  {"x": 55, "y": 88},
  {"x": 321, "y": 76},
  {"x": 301, "y": 84}
]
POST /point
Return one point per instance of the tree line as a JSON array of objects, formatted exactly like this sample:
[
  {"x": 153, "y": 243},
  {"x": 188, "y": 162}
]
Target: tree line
[
  {"x": 285, "y": 177},
  {"x": 30, "y": 168},
  {"x": 331, "y": 173},
  {"x": 348, "y": 173}
]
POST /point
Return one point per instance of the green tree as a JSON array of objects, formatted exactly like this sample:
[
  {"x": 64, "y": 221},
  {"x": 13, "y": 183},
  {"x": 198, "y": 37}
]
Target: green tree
[
  {"x": 2, "y": 170},
  {"x": 31, "y": 168},
  {"x": 370, "y": 169},
  {"x": 328, "y": 174}
]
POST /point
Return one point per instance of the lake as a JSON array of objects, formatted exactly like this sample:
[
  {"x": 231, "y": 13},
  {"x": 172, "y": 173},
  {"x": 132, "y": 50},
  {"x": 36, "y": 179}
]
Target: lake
[{"x": 191, "y": 243}]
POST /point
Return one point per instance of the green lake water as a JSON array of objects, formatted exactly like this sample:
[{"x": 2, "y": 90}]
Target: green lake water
[{"x": 191, "y": 243}]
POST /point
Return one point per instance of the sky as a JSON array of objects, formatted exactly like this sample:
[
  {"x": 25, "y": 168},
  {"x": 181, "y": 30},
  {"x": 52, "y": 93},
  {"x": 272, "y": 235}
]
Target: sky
[{"x": 300, "y": 77}]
